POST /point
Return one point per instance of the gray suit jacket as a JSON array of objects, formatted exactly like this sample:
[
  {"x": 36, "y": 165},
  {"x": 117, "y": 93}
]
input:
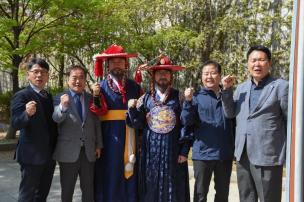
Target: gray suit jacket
[
  {"x": 263, "y": 130},
  {"x": 72, "y": 131}
]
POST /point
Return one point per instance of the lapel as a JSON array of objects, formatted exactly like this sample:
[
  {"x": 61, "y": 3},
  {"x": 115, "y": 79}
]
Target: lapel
[
  {"x": 247, "y": 91},
  {"x": 86, "y": 104},
  {"x": 34, "y": 96},
  {"x": 264, "y": 95}
]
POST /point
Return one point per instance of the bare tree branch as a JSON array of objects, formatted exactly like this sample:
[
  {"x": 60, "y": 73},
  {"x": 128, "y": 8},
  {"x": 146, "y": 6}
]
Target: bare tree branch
[
  {"x": 82, "y": 63},
  {"x": 79, "y": 59},
  {"x": 9, "y": 41},
  {"x": 4, "y": 12},
  {"x": 17, "y": 11},
  {"x": 24, "y": 8},
  {"x": 54, "y": 66},
  {"x": 41, "y": 8}
]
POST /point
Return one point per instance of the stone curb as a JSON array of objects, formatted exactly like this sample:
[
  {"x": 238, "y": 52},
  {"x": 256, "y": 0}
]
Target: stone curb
[{"x": 8, "y": 146}]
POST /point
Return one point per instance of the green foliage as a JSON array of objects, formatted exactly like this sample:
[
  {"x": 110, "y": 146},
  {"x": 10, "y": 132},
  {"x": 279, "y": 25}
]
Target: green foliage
[
  {"x": 55, "y": 90},
  {"x": 189, "y": 31}
]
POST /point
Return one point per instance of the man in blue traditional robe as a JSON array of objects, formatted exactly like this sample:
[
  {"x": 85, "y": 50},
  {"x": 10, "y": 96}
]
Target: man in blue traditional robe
[
  {"x": 163, "y": 163},
  {"x": 115, "y": 173}
]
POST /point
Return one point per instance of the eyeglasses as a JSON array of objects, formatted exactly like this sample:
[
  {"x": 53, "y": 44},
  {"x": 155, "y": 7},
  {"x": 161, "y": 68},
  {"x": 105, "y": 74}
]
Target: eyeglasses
[{"x": 42, "y": 72}]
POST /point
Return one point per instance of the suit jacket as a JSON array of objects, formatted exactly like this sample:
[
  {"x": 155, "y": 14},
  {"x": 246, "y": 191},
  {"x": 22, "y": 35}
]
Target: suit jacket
[
  {"x": 72, "y": 131},
  {"x": 37, "y": 133},
  {"x": 263, "y": 130}
]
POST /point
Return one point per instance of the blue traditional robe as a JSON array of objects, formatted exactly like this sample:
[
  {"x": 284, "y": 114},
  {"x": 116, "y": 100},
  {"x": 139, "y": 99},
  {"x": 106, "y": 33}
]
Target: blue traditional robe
[
  {"x": 110, "y": 183},
  {"x": 162, "y": 178}
]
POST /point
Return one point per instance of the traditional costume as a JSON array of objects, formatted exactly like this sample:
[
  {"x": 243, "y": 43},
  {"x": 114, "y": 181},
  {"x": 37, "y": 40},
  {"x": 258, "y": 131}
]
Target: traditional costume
[
  {"x": 115, "y": 173},
  {"x": 162, "y": 178}
]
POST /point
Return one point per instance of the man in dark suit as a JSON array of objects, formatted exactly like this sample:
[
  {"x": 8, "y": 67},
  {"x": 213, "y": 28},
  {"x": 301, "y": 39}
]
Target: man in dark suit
[
  {"x": 79, "y": 140},
  {"x": 31, "y": 112},
  {"x": 260, "y": 107}
]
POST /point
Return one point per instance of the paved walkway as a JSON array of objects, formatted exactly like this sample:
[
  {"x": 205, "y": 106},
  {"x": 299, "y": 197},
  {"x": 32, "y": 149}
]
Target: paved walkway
[{"x": 10, "y": 177}]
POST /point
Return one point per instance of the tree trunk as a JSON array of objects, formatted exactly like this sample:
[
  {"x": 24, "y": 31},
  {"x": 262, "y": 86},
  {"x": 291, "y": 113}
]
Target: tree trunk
[
  {"x": 11, "y": 133},
  {"x": 61, "y": 71},
  {"x": 16, "y": 62}
]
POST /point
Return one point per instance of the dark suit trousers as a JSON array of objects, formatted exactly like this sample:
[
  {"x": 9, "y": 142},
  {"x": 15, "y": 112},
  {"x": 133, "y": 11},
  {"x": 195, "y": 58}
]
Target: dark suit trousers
[
  {"x": 68, "y": 177},
  {"x": 203, "y": 172},
  {"x": 263, "y": 182},
  {"x": 36, "y": 181}
]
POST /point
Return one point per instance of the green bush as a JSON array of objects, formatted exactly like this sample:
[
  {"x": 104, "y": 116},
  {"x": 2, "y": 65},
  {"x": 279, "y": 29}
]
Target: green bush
[{"x": 55, "y": 90}]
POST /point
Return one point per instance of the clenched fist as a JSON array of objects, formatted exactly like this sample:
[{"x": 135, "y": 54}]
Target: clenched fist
[
  {"x": 189, "y": 94},
  {"x": 132, "y": 103},
  {"x": 228, "y": 81},
  {"x": 64, "y": 100},
  {"x": 96, "y": 89},
  {"x": 30, "y": 108}
]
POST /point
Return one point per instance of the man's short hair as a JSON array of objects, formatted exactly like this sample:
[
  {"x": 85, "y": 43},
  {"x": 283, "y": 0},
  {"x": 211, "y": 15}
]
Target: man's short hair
[
  {"x": 215, "y": 64},
  {"x": 41, "y": 62},
  {"x": 259, "y": 48},
  {"x": 75, "y": 67}
]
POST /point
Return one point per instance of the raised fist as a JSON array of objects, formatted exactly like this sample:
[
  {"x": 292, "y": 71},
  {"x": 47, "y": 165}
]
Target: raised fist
[
  {"x": 64, "y": 100},
  {"x": 96, "y": 89},
  {"x": 228, "y": 81},
  {"x": 189, "y": 94},
  {"x": 30, "y": 108},
  {"x": 132, "y": 103}
]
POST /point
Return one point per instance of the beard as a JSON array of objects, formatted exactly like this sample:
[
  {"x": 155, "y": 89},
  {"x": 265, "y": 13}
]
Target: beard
[
  {"x": 162, "y": 84},
  {"x": 118, "y": 73}
]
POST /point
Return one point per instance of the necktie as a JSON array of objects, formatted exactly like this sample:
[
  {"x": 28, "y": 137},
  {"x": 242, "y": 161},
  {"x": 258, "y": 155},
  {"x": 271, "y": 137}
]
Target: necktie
[
  {"x": 44, "y": 93},
  {"x": 78, "y": 105}
]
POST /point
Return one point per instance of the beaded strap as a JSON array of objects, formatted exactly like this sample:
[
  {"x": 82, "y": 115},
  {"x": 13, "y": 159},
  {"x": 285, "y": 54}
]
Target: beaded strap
[{"x": 121, "y": 90}]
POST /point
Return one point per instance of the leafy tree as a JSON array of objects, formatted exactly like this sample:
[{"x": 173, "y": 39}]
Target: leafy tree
[{"x": 21, "y": 22}]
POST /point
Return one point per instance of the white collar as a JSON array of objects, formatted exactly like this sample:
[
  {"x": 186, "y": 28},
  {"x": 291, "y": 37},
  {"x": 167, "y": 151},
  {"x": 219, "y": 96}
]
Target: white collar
[
  {"x": 37, "y": 90},
  {"x": 161, "y": 95},
  {"x": 114, "y": 80}
]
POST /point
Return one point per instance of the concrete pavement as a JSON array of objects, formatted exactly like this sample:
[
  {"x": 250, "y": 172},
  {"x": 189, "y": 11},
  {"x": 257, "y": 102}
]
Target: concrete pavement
[{"x": 10, "y": 178}]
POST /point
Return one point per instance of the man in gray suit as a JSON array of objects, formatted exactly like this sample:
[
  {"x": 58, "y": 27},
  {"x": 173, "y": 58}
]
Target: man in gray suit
[
  {"x": 260, "y": 107},
  {"x": 79, "y": 140}
]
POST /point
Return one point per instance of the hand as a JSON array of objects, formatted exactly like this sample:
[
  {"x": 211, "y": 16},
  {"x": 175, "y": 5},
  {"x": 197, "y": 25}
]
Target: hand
[
  {"x": 132, "y": 103},
  {"x": 182, "y": 159},
  {"x": 64, "y": 100},
  {"x": 98, "y": 153},
  {"x": 96, "y": 89},
  {"x": 189, "y": 94},
  {"x": 228, "y": 81},
  {"x": 30, "y": 108}
]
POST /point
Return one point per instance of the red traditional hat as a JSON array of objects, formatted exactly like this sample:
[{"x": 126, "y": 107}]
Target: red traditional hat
[
  {"x": 162, "y": 63},
  {"x": 113, "y": 51},
  {"x": 165, "y": 63}
]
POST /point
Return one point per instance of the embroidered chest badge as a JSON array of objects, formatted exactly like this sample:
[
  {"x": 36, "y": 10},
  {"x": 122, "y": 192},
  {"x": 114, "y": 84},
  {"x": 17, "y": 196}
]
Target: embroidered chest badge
[{"x": 161, "y": 119}]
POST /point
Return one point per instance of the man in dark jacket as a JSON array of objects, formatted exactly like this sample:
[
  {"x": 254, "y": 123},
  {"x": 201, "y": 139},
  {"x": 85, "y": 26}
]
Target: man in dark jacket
[
  {"x": 31, "y": 112},
  {"x": 212, "y": 150}
]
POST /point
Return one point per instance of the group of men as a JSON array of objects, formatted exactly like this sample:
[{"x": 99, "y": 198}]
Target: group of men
[{"x": 127, "y": 146}]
